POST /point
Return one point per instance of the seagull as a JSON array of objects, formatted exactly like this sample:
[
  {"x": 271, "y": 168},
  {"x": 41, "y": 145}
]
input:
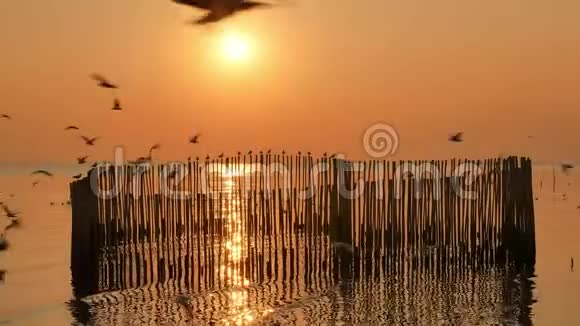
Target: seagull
[
  {"x": 78, "y": 176},
  {"x": 566, "y": 167},
  {"x": 43, "y": 172},
  {"x": 103, "y": 82},
  {"x": 141, "y": 160},
  {"x": 3, "y": 242},
  {"x": 82, "y": 160},
  {"x": 6, "y": 116},
  {"x": 194, "y": 139},
  {"x": 89, "y": 141},
  {"x": 220, "y": 9},
  {"x": 9, "y": 213},
  {"x": 117, "y": 105},
  {"x": 154, "y": 147},
  {"x": 456, "y": 138},
  {"x": 71, "y": 128},
  {"x": 14, "y": 223}
]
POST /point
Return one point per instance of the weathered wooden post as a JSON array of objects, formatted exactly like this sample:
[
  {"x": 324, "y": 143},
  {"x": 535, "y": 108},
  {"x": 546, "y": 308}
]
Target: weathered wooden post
[{"x": 85, "y": 245}]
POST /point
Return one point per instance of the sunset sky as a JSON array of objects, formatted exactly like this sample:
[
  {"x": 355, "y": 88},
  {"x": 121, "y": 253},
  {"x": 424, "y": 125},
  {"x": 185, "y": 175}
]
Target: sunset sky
[{"x": 316, "y": 74}]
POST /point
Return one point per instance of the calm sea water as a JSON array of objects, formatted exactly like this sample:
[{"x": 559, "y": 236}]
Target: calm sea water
[{"x": 37, "y": 291}]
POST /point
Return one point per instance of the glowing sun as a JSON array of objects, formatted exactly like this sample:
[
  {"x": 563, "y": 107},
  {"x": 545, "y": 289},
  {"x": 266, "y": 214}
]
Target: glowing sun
[{"x": 235, "y": 48}]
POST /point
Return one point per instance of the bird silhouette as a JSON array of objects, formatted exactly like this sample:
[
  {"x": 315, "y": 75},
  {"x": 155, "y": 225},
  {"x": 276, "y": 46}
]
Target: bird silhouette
[
  {"x": 116, "y": 105},
  {"x": 77, "y": 176},
  {"x": 153, "y": 148},
  {"x": 42, "y": 172},
  {"x": 82, "y": 160},
  {"x": 220, "y": 9},
  {"x": 456, "y": 138},
  {"x": 9, "y": 213},
  {"x": 103, "y": 82},
  {"x": 3, "y": 242},
  {"x": 194, "y": 139},
  {"x": 89, "y": 141},
  {"x": 6, "y": 116},
  {"x": 566, "y": 167},
  {"x": 71, "y": 128},
  {"x": 141, "y": 160}
]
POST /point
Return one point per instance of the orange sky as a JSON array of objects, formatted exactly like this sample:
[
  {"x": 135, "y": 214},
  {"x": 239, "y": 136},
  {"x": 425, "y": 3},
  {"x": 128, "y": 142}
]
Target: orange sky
[{"x": 320, "y": 72}]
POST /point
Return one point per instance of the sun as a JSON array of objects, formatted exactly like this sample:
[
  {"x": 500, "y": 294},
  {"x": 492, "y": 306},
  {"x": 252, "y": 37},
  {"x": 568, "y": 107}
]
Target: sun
[{"x": 235, "y": 48}]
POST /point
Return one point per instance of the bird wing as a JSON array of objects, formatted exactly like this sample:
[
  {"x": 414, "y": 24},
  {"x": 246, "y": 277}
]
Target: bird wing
[
  {"x": 211, "y": 17},
  {"x": 248, "y": 5},
  {"x": 99, "y": 78},
  {"x": 44, "y": 172}
]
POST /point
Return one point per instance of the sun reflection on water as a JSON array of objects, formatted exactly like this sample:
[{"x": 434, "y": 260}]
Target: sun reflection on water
[{"x": 231, "y": 272}]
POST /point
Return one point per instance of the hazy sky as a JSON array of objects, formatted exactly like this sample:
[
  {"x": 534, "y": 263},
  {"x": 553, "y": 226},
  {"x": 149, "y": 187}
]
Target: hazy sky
[{"x": 319, "y": 72}]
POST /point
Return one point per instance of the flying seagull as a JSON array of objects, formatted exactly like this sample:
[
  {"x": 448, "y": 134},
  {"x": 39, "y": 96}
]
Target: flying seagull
[
  {"x": 220, "y": 9},
  {"x": 43, "y": 172},
  {"x": 154, "y": 147},
  {"x": 6, "y": 116},
  {"x": 456, "y": 138},
  {"x": 9, "y": 213},
  {"x": 566, "y": 167},
  {"x": 117, "y": 105},
  {"x": 89, "y": 141},
  {"x": 103, "y": 82},
  {"x": 82, "y": 160},
  {"x": 195, "y": 139},
  {"x": 71, "y": 128}
]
